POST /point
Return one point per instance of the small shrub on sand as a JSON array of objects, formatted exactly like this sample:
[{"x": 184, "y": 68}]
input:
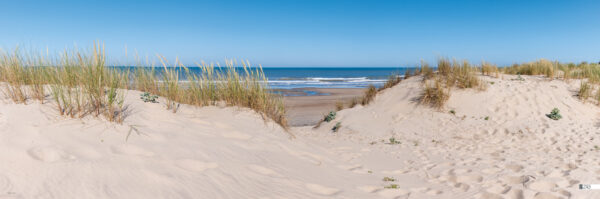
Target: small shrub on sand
[
  {"x": 452, "y": 112},
  {"x": 388, "y": 179},
  {"x": 585, "y": 90},
  {"x": 555, "y": 114},
  {"x": 329, "y": 117},
  {"x": 370, "y": 94},
  {"x": 393, "y": 141},
  {"x": 337, "y": 127},
  {"x": 392, "y": 186},
  {"x": 519, "y": 78},
  {"x": 147, "y": 97},
  {"x": 434, "y": 95}
]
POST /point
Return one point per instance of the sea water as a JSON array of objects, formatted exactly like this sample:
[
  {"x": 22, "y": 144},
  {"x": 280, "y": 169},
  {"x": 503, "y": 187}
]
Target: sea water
[{"x": 319, "y": 77}]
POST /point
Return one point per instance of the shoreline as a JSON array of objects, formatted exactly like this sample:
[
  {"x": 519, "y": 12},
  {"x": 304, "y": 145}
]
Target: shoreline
[{"x": 307, "y": 110}]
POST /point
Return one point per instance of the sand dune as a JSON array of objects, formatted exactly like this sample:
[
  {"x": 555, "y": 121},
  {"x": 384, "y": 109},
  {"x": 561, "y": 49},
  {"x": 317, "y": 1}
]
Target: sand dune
[
  {"x": 516, "y": 153},
  {"x": 215, "y": 152}
]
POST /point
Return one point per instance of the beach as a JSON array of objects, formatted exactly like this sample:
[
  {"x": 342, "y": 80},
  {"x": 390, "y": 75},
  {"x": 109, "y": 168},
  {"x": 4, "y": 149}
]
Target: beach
[
  {"x": 300, "y": 100},
  {"x": 505, "y": 147},
  {"x": 306, "y": 110}
]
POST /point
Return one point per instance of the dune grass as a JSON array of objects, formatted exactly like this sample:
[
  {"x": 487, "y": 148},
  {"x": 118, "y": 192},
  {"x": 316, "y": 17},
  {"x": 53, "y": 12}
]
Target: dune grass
[
  {"x": 489, "y": 69},
  {"x": 552, "y": 70},
  {"x": 435, "y": 94},
  {"x": 585, "y": 91},
  {"x": 369, "y": 95},
  {"x": 392, "y": 81},
  {"x": 450, "y": 74},
  {"x": 80, "y": 83}
]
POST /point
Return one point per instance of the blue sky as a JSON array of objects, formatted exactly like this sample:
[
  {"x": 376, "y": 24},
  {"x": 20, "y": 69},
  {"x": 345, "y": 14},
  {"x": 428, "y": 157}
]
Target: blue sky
[{"x": 312, "y": 33}]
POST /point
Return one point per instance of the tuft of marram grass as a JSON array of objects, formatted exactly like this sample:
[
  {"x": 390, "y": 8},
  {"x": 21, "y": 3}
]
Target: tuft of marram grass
[
  {"x": 369, "y": 95},
  {"x": 489, "y": 69},
  {"x": 392, "y": 81},
  {"x": 426, "y": 71},
  {"x": 234, "y": 86},
  {"x": 585, "y": 91},
  {"x": 408, "y": 73},
  {"x": 434, "y": 94}
]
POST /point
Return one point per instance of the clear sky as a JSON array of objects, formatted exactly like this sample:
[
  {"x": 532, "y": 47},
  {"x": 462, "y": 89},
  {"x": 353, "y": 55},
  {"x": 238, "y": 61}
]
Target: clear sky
[{"x": 313, "y": 33}]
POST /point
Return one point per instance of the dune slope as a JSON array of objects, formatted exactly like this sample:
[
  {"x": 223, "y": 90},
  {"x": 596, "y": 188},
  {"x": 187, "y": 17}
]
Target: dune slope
[
  {"x": 208, "y": 152},
  {"x": 517, "y": 152}
]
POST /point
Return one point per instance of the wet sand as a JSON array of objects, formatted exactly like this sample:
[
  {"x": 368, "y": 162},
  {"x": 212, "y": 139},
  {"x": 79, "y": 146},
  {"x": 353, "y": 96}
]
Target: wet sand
[{"x": 308, "y": 110}]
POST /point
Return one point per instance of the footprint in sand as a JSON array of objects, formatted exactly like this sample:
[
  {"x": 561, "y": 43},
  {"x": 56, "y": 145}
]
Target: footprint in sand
[
  {"x": 433, "y": 192},
  {"x": 498, "y": 189},
  {"x": 49, "y": 154},
  {"x": 491, "y": 170},
  {"x": 128, "y": 149},
  {"x": 195, "y": 165},
  {"x": 515, "y": 194},
  {"x": 469, "y": 179},
  {"x": 514, "y": 179},
  {"x": 263, "y": 170},
  {"x": 462, "y": 187},
  {"x": 542, "y": 186},
  {"x": 393, "y": 193},
  {"x": 544, "y": 195},
  {"x": 322, "y": 190},
  {"x": 486, "y": 195},
  {"x": 369, "y": 188},
  {"x": 514, "y": 167}
]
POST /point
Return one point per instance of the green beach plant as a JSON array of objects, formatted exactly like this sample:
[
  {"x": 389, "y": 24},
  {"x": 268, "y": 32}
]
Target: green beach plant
[
  {"x": 337, "y": 127},
  {"x": 148, "y": 97},
  {"x": 554, "y": 114},
  {"x": 330, "y": 117},
  {"x": 393, "y": 141}
]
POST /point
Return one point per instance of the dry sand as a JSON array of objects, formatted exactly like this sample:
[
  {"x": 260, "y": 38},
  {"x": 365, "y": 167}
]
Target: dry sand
[{"x": 214, "y": 152}]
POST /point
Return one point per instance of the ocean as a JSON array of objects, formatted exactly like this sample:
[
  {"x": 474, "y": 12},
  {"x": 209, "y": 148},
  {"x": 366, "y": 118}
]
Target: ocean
[
  {"x": 322, "y": 77},
  {"x": 290, "y": 78}
]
